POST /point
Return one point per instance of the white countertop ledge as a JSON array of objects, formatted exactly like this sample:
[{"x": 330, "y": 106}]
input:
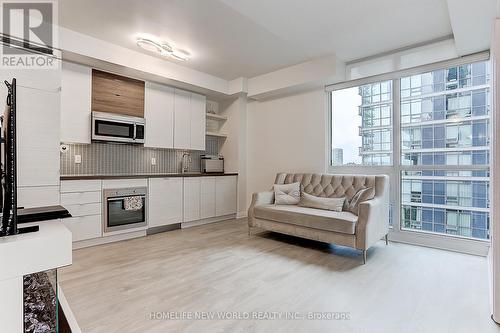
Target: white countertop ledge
[{"x": 49, "y": 248}]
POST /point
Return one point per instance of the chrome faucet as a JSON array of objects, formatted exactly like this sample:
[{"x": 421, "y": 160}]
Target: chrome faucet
[{"x": 186, "y": 161}]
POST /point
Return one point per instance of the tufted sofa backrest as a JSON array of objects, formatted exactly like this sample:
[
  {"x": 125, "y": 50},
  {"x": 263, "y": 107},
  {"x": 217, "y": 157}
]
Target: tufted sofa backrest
[{"x": 330, "y": 186}]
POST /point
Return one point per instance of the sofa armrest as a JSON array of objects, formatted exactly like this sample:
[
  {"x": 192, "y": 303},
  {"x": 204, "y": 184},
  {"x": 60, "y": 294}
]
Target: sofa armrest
[
  {"x": 373, "y": 222},
  {"x": 259, "y": 198}
]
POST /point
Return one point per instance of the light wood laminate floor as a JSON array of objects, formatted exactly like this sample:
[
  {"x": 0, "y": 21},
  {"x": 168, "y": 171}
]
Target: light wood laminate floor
[{"x": 218, "y": 267}]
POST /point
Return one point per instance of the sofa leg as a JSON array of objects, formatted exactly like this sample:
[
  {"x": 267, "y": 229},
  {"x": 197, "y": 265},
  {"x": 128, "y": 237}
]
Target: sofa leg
[
  {"x": 364, "y": 256},
  {"x": 387, "y": 239}
]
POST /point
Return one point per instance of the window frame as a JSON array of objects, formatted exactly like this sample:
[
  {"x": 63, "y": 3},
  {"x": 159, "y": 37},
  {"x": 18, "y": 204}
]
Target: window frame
[{"x": 397, "y": 233}]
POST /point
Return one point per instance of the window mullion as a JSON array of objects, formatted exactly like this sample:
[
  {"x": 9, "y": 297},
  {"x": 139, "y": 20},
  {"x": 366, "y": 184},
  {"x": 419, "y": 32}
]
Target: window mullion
[{"x": 396, "y": 153}]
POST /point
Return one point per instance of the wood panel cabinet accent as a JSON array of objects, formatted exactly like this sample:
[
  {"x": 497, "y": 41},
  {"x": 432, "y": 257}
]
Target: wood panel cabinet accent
[{"x": 117, "y": 94}]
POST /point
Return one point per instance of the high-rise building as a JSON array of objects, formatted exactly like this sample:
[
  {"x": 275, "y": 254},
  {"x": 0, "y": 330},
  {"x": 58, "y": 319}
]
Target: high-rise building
[
  {"x": 444, "y": 160},
  {"x": 337, "y": 156}
]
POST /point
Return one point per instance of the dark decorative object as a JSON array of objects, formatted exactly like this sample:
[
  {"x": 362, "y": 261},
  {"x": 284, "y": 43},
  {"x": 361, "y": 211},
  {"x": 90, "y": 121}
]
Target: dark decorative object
[
  {"x": 40, "y": 302},
  {"x": 9, "y": 168}
]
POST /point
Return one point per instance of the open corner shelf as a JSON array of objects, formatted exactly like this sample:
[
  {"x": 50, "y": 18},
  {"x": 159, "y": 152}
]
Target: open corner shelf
[
  {"x": 216, "y": 117},
  {"x": 219, "y": 135}
]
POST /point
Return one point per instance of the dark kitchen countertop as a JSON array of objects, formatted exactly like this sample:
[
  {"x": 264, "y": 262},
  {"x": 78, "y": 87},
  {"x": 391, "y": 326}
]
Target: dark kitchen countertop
[{"x": 147, "y": 175}]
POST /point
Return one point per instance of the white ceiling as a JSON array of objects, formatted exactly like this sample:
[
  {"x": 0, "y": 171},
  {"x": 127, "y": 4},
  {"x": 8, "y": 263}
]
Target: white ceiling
[{"x": 234, "y": 38}]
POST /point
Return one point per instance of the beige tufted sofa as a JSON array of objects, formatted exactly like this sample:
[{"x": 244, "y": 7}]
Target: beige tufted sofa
[{"x": 359, "y": 231}]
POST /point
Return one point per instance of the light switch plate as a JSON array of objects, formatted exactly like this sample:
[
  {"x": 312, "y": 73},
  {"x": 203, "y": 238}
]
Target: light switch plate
[
  {"x": 153, "y": 160},
  {"x": 78, "y": 159}
]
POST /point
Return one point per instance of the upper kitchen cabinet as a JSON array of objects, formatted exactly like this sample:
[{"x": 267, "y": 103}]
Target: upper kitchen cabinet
[
  {"x": 198, "y": 121},
  {"x": 117, "y": 94},
  {"x": 182, "y": 119},
  {"x": 189, "y": 120},
  {"x": 159, "y": 115},
  {"x": 76, "y": 83}
]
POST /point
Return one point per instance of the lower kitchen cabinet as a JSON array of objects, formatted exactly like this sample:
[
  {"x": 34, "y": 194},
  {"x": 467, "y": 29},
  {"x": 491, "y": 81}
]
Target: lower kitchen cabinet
[
  {"x": 207, "y": 197},
  {"x": 225, "y": 195},
  {"x": 82, "y": 198},
  {"x": 164, "y": 201},
  {"x": 84, "y": 227},
  {"x": 192, "y": 199}
]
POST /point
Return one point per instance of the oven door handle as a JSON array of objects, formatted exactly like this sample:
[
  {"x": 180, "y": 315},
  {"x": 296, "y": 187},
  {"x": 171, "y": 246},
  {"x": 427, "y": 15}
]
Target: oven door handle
[{"x": 127, "y": 196}]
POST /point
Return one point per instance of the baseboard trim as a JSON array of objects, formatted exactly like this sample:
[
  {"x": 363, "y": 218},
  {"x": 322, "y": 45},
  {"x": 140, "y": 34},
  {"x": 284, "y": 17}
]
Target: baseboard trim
[
  {"x": 473, "y": 247},
  {"x": 108, "y": 239},
  {"x": 242, "y": 214},
  {"x": 163, "y": 228},
  {"x": 207, "y": 221}
]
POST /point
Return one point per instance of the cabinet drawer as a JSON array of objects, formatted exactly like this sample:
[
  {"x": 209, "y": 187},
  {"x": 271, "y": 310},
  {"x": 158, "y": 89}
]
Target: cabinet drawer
[
  {"x": 124, "y": 183},
  {"x": 79, "y": 198},
  {"x": 84, "y": 209},
  {"x": 84, "y": 227},
  {"x": 80, "y": 186}
]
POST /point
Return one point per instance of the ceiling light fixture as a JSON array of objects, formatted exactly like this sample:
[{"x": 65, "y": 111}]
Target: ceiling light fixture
[
  {"x": 148, "y": 45},
  {"x": 163, "y": 49},
  {"x": 180, "y": 55}
]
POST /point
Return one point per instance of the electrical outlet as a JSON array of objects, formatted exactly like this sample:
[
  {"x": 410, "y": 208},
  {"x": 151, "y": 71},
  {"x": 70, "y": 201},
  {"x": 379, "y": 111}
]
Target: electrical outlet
[
  {"x": 78, "y": 159},
  {"x": 153, "y": 160}
]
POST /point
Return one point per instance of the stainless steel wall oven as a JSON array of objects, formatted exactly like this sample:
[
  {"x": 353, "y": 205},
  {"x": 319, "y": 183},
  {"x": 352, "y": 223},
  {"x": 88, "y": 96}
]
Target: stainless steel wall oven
[{"x": 124, "y": 208}]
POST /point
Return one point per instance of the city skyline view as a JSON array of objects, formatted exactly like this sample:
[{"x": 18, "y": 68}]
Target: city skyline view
[{"x": 443, "y": 150}]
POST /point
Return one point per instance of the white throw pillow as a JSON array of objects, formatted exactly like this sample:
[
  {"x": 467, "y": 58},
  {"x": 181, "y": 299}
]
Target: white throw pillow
[
  {"x": 311, "y": 201},
  {"x": 287, "y": 194}
]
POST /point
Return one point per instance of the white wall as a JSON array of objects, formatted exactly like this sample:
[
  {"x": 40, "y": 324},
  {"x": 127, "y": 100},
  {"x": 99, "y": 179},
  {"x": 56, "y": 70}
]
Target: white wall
[
  {"x": 234, "y": 149},
  {"x": 285, "y": 134}
]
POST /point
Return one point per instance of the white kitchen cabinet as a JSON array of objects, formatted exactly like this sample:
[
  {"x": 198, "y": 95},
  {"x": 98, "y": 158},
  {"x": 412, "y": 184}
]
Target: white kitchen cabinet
[
  {"x": 159, "y": 115},
  {"x": 192, "y": 196},
  {"x": 83, "y": 199},
  {"x": 72, "y": 186},
  {"x": 182, "y": 119},
  {"x": 207, "y": 197},
  {"x": 76, "y": 85},
  {"x": 225, "y": 195},
  {"x": 189, "y": 120},
  {"x": 37, "y": 196},
  {"x": 84, "y": 227},
  {"x": 164, "y": 201},
  {"x": 198, "y": 121},
  {"x": 37, "y": 137}
]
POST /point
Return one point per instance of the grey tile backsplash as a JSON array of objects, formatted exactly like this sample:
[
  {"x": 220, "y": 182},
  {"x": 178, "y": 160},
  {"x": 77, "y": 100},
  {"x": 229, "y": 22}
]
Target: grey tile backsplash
[{"x": 109, "y": 158}]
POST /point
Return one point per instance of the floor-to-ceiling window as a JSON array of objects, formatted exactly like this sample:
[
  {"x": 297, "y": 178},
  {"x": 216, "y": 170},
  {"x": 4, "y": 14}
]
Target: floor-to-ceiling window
[
  {"x": 445, "y": 151},
  {"x": 428, "y": 129}
]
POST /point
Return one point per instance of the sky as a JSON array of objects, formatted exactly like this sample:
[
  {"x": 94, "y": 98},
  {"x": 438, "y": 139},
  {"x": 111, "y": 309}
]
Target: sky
[{"x": 346, "y": 122}]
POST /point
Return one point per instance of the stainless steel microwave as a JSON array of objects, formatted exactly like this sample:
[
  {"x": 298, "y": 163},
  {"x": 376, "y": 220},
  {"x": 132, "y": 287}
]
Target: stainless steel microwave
[{"x": 117, "y": 128}]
